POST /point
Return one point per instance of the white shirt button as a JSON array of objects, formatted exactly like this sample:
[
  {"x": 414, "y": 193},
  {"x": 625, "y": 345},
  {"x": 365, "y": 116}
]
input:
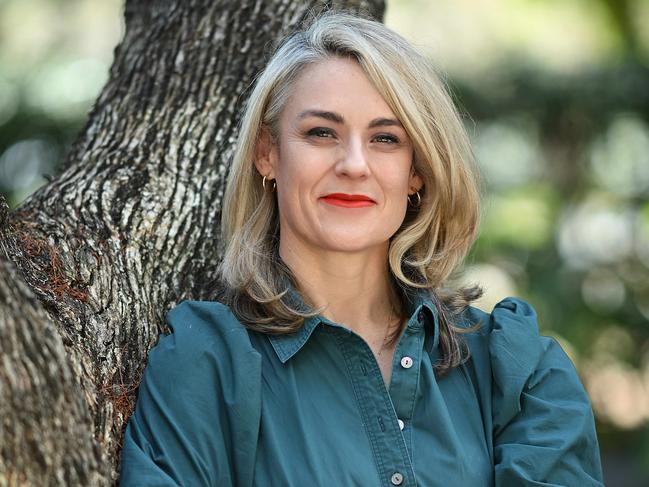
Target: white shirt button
[
  {"x": 401, "y": 424},
  {"x": 406, "y": 362},
  {"x": 396, "y": 479}
]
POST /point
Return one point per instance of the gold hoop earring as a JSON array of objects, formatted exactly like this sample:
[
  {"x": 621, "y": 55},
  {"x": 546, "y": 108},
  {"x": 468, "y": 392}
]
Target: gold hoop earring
[
  {"x": 418, "y": 200},
  {"x": 263, "y": 183}
]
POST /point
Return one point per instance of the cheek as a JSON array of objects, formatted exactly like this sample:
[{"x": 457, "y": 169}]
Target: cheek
[
  {"x": 301, "y": 170},
  {"x": 293, "y": 187},
  {"x": 398, "y": 182},
  {"x": 288, "y": 177}
]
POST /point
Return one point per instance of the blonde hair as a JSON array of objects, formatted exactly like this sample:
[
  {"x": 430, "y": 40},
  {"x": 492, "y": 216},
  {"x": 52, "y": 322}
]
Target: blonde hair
[{"x": 433, "y": 238}]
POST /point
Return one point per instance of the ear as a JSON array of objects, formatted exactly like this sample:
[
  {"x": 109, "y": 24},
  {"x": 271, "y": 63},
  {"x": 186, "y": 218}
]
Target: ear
[
  {"x": 415, "y": 183},
  {"x": 266, "y": 154}
]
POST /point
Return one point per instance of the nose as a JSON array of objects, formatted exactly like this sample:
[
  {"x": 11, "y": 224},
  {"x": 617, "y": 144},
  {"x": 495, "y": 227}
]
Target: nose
[{"x": 353, "y": 160}]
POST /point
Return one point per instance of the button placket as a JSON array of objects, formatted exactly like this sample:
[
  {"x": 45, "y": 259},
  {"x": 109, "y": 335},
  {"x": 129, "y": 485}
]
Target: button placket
[
  {"x": 405, "y": 378},
  {"x": 376, "y": 410}
]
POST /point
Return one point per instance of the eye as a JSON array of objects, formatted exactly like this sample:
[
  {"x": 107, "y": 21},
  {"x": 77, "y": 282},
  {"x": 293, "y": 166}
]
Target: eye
[
  {"x": 386, "y": 139},
  {"x": 321, "y": 132}
]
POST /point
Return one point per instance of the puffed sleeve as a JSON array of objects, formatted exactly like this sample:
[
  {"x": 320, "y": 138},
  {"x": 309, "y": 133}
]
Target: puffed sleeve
[
  {"x": 197, "y": 413},
  {"x": 543, "y": 425}
]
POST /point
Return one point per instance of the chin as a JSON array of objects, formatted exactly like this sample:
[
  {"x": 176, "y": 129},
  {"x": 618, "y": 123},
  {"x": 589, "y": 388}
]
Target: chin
[{"x": 345, "y": 242}]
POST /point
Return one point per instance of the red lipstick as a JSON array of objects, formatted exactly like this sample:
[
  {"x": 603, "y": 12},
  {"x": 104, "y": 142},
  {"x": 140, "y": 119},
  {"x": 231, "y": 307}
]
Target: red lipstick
[{"x": 348, "y": 200}]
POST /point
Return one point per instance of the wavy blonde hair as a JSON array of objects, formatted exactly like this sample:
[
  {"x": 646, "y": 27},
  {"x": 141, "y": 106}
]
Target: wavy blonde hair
[{"x": 433, "y": 238}]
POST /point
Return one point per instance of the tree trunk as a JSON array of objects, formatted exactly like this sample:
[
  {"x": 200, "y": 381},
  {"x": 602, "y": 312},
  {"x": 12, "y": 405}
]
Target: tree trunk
[{"x": 127, "y": 229}]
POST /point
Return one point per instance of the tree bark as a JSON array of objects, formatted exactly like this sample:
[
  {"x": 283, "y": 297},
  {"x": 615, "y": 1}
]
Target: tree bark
[{"x": 127, "y": 229}]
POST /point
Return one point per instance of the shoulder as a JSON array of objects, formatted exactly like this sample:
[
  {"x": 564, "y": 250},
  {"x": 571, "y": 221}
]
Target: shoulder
[
  {"x": 510, "y": 311},
  {"x": 208, "y": 349},
  {"x": 510, "y": 331},
  {"x": 520, "y": 359},
  {"x": 541, "y": 418},
  {"x": 200, "y": 393},
  {"x": 204, "y": 335},
  {"x": 205, "y": 323},
  {"x": 210, "y": 315},
  {"x": 510, "y": 339}
]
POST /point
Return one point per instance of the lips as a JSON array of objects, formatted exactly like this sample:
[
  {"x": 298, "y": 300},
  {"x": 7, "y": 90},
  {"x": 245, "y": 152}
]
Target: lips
[{"x": 348, "y": 200}]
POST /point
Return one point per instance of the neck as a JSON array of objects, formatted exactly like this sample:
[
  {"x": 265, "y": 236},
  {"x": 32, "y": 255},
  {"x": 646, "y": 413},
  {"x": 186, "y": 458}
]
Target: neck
[{"x": 355, "y": 288}]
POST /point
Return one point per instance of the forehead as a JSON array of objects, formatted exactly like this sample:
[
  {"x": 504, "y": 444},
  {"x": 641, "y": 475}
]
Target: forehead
[{"x": 336, "y": 84}]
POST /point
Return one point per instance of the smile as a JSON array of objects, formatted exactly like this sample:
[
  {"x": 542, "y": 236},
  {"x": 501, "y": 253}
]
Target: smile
[{"x": 348, "y": 200}]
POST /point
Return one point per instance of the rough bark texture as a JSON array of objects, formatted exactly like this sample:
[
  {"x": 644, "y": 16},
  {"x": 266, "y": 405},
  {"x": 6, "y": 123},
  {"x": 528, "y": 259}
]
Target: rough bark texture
[{"x": 91, "y": 262}]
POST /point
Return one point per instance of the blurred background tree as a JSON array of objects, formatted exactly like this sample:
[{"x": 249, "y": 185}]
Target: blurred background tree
[{"x": 555, "y": 95}]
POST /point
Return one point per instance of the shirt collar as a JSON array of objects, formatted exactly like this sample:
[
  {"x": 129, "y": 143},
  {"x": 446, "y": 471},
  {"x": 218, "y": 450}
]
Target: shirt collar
[{"x": 419, "y": 303}]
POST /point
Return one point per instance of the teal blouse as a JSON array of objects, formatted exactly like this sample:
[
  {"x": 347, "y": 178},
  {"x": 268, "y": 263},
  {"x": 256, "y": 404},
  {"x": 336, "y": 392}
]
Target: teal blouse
[{"x": 222, "y": 406}]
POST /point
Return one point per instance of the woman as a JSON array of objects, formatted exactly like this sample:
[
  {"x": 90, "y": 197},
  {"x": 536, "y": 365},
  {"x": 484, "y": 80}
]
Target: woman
[{"x": 337, "y": 357}]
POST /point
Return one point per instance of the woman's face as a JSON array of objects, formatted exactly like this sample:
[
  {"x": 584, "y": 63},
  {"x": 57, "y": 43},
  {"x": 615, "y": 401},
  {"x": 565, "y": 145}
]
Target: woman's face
[{"x": 342, "y": 162}]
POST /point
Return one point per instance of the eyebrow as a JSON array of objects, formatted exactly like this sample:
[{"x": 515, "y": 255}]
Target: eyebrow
[
  {"x": 331, "y": 116},
  {"x": 337, "y": 118},
  {"x": 385, "y": 122}
]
